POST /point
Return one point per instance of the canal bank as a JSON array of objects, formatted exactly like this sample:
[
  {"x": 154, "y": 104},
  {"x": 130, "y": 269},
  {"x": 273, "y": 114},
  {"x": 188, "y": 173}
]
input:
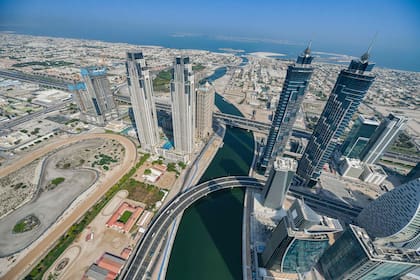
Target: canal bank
[{"x": 208, "y": 244}]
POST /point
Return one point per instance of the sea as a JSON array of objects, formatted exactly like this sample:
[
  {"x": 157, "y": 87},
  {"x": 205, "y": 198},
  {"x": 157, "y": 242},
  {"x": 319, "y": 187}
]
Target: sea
[{"x": 238, "y": 45}]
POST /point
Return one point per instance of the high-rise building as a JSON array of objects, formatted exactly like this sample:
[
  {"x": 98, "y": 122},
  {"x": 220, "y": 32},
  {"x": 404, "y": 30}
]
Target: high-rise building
[
  {"x": 204, "y": 112},
  {"x": 93, "y": 97},
  {"x": 383, "y": 138},
  {"x": 278, "y": 182},
  {"x": 349, "y": 90},
  {"x": 183, "y": 105},
  {"x": 299, "y": 240},
  {"x": 354, "y": 256},
  {"x": 363, "y": 128},
  {"x": 140, "y": 86},
  {"x": 394, "y": 218},
  {"x": 291, "y": 97},
  {"x": 97, "y": 102}
]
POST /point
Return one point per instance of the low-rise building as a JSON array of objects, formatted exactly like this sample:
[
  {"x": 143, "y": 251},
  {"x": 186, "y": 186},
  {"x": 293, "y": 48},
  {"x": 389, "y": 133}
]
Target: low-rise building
[{"x": 373, "y": 174}]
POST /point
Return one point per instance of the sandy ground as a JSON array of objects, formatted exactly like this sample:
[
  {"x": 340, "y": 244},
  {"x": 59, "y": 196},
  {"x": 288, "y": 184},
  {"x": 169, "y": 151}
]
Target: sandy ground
[
  {"x": 11, "y": 197},
  {"x": 105, "y": 240},
  {"x": 166, "y": 181},
  {"x": 21, "y": 264}
]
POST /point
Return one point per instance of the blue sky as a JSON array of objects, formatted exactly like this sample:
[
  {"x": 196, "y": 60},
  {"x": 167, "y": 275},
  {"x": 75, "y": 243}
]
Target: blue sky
[{"x": 345, "y": 26}]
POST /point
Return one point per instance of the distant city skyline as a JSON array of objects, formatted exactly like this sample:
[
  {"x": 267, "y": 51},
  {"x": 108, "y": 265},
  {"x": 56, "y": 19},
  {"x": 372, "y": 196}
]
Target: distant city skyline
[{"x": 339, "y": 27}]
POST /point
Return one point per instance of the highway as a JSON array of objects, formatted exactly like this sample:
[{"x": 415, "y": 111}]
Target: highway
[{"x": 144, "y": 253}]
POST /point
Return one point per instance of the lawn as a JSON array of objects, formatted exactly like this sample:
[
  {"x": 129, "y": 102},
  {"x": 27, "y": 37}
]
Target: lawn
[
  {"x": 57, "y": 181},
  {"x": 125, "y": 216},
  {"x": 142, "y": 192},
  {"x": 162, "y": 80}
]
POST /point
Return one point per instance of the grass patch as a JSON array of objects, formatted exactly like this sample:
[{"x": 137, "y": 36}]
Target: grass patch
[
  {"x": 125, "y": 216},
  {"x": 162, "y": 80},
  {"x": 140, "y": 191},
  {"x": 74, "y": 231},
  {"x": 198, "y": 67},
  {"x": 57, "y": 181}
]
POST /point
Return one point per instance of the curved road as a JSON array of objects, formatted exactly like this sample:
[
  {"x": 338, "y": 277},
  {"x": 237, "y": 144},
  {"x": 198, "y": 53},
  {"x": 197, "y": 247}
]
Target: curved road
[
  {"x": 139, "y": 262},
  {"x": 143, "y": 254},
  {"x": 31, "y": 258}
]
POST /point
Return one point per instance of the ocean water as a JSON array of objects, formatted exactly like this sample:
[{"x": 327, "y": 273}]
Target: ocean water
[{"x": 387, "y": 59}]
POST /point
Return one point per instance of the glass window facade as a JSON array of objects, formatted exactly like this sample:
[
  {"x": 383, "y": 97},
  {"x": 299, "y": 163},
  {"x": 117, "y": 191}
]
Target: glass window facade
[
  {"x": 302, "y": 255},
  {"x": 344, "y": 256}
]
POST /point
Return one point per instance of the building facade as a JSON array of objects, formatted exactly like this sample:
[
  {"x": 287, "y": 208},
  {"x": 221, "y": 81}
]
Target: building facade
[
  {"x": 349, "y": 90},
  {"x": 98, "y": 101},
  {"x": 291, "y": 97},
  {"x": 394, "y": 218},
  {"x": 373, "y": 174},
  {"x": 204, "y": 113},
  {"x": 351, "y": 167},
  {"x": 382, "y": 139},
  {"x": 183, "y": 105},
  {"x": 278, "y": 182},
  {"x": 358, "y": 137},
  {"x": 354, "y": 256},
  {"x": 140, "y": 86},
  {"x": 298, "y": 240}
]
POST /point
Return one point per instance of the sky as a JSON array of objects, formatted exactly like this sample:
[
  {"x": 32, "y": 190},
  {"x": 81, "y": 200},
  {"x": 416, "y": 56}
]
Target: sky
[{"x": 341, "y": 26}]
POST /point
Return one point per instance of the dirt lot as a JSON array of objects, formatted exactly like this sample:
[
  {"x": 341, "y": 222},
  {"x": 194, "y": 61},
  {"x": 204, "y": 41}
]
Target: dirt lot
[
  {"x": 166, "y": 181},
  {"x": 18, "y": 186},
  {"x": 82, "y": 253}
]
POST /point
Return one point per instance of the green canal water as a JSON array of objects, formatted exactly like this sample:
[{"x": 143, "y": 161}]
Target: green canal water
[{"x": 208, "y": 244}]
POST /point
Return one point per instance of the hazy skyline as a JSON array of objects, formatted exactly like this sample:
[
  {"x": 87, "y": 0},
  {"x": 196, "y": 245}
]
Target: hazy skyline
[{"x": 336, "y": 26}]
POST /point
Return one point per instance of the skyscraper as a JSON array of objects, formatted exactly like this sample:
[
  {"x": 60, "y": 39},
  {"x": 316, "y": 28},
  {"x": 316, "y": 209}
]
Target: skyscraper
[
  {"x": 183, "y": 105},
  {"x": 294, "y": 87},
  {"x": 349, "y": 90},
  {"x": 354, "y": 256},
  {"x": 140, "y": 86},
  {"x": 278, "y": 182},
  {"x": 383, "y": 138},
  {"x": 394, "y": 218},
  {"x": 359, "y": 135},
  {"x": 204, "y": 111},
  {"x": 99, "y": 102},
  {"x": 299, "y": 240}
]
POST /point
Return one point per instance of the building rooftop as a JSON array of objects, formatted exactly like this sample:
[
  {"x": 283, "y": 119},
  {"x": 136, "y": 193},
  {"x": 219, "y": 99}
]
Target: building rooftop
[
  {"x": 285, "y": 164},
  {"x": 376, "y": 169},
  {"x": 379, "y": 253},
  {"x": 365, "y": 120},
  {"x": 354, "y": 162}
]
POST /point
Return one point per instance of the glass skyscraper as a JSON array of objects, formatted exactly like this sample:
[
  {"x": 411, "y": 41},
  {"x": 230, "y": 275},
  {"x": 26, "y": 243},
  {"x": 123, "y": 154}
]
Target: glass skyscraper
[
  {"x": 358, "y": 137},
  {"x": 354, "y": 256},
  {"x": 291, "y": 97},
  {"x": 298, "y": 240},
  {"x": 349, "y": 90},
  {"x": 394, "y": 218}
]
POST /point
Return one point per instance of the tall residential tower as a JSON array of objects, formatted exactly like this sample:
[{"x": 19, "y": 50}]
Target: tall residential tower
[
  {"x": 140, "y": 87},
  {"x": 98, "y": 101},
  {"x": 183, "y": 105},
  {"x": 349, "y": 90},
  {"x": 204, "y": 111},
  {"x": 294, "y": 87}
]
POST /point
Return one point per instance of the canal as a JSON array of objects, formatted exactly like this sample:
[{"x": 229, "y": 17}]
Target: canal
[{"x": 208, "y": 244}]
